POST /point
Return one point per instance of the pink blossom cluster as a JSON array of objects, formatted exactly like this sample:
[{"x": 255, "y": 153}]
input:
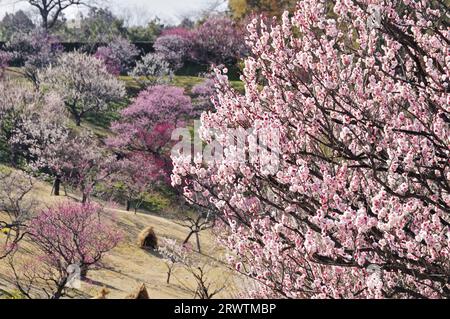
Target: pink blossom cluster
[
  {"x": 145, "y": 128},
  {"x": 218, "y": 40},
  {"x": 71, "y": 233},
  {"x": 178, "y": 31},
  {"x": 359, "y": 207},
  {"x": 118, "y": 56},
  {"x": 203, "y": 93},
  {"x": 106, "y": 55}
]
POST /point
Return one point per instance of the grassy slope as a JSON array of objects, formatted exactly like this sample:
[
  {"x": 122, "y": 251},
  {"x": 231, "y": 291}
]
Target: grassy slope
[{"x": 128, "y": 265}]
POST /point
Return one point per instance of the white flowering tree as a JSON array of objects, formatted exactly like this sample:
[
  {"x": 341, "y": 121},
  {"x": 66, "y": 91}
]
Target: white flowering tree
[{"x": 84, "y": 84}]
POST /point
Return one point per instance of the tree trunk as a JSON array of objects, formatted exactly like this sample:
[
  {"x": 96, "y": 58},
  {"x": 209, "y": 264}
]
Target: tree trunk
[
  {"x": 44, "y": 17},
  {"x": 198, "y": 242},
  {"x": 83, "y": 272},
  {"x": 85, "y": 198},
  {"x": 169, "y": 274},
  {"x": 128, "y": 205},
  {"x": 137, "y": 205},
  {"x": 60, "y": 289},
  {"x": 188, "y": 237},
  {"x": 57, "y": 186}
]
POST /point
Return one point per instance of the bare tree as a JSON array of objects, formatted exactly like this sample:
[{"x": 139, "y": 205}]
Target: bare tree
[
  {"x": 43, "y": 282},
  {"x": 205, "y": 288},
  {"x": 50, "y": 10},
  {"x": 16, "y": 205},
  {"x": 211, "y": 7},
  {"x": 196, "y": 225},
  {"x": 176, "y": 255}
]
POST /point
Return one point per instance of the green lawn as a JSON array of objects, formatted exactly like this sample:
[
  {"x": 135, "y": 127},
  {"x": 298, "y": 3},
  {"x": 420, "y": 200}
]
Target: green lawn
[{"x": 184, "y": 81}]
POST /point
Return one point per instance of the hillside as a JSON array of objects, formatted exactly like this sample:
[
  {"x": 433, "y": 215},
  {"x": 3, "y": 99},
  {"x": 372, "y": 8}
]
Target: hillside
[{"x": 128, "y": 266}]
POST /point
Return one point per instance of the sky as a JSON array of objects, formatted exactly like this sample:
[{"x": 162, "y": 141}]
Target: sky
[{"x": 134, "y": 11}]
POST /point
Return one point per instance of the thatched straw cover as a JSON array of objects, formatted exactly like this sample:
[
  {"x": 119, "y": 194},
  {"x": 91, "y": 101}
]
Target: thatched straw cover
[
  {"x": 147, "y": 239},
  {"x": 141, "y": 293}
]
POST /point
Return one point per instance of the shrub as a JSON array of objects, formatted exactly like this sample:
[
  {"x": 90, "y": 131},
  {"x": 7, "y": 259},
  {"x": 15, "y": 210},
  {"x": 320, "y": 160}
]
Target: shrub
[{"x": 203, "y": 94}]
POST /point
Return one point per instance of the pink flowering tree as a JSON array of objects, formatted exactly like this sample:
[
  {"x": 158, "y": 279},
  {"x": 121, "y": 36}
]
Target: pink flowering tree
[
  {"x": 203, "y": 93},
  {"x": 352, "y": 199},
  {"x": 67, "y": 237},
  {"x": 146, "y": 126},
  {"x": 219, "y": 40},
  {"x": 134, "y": 176},
  {"x": 119, "y": 55},
  {"x": 175, "y": 48},
  {"x": 112, "y": 63},
  {"x": 80, "y": 162}
]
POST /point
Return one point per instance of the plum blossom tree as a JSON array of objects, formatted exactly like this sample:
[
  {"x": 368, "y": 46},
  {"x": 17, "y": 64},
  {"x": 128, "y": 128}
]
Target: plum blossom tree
[
  {"x": 357, "y": 203},
  {"x": 84, "y": 84},
  {"x": 34, "y": 50},
  {"x": 79, "y": 161},
  {"x": 105, "y": 54},
  {"x": 120, "y": 51},
  {"x": 133, "y": 178},
  {"x": 146, "y": 125},
  {"x": 152, "y": 69},
  {"x": 173, "y": 254},
  {"x": 67, "y": 235},
  {"x": 177, "y": 255},
  {"x": 30, "y": 121},
  {"x": 219, "y": 40},
  {"x": 175, "y": 49},
  {"x": 203, "y": 93}
]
